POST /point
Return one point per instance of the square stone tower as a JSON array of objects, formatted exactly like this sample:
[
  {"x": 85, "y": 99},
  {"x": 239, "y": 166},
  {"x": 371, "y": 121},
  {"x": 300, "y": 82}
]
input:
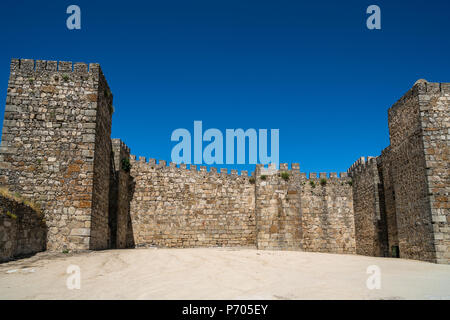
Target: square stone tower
[
  {"x": 401, "y": 198},
  {"x": 56, "y": 148},
  {"x": 419, "y": 172}
]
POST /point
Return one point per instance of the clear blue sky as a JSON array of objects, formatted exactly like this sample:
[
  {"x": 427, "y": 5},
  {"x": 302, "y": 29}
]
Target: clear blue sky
[{"x": 309, "y": 68}]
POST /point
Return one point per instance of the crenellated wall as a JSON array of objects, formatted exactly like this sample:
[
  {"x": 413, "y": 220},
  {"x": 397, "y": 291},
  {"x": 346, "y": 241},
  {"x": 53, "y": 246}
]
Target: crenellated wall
[
  {"x": 173, "y": 206},
  {"x": 279, "y": 220},
  {"x": 178, "y": 207},
  {"x": 310, "y": 214},
  {"x": 327, "y": 213},
  {"x": 407, "y": 160},
  {"x": 56, "y": 150}
]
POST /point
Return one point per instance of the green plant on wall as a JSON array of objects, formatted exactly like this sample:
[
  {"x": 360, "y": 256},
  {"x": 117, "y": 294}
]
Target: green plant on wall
[
  {"x": 263, "y": 177},
  {"x": 312, "y": 184},
  {"x": 11, "y": 215},
  {"x": 65, "y": 77},
  {"x": 323, "y": 182},
  {"x": 285, "y": 176},
  {"x": 350, "y": 183},
  {"x": 126, "y": 165},
  {"x": 252, "y": 180}
]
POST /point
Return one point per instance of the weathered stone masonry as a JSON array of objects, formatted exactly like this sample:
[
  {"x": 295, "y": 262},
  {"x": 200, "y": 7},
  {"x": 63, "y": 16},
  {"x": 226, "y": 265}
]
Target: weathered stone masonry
[
  {"x": 310, "y": 214},
  {"x": 179, "y": 207},
  {"x": 22, "y": 229},
  {"x": 56, "y": 149},
  {"x": 370, "y": 220},
  {"x": 119, "y": 203}
]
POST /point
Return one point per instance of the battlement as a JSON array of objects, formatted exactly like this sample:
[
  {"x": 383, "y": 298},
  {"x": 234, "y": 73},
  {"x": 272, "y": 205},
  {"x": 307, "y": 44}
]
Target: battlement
[
  {"x": 361, "y": 164},
  {"x": 118, "y": 143},
  {"x": 422, "y": 87},
  {"x": 271, "y": 168},
  {"x": 294, "y": 169},
  {"x": 323, "y": 175},
  {"x": 260, "y": 169},
  {"x": 53, "y": 78},
  {"x": 31, "y": 65},
  {"x": 154, "y": 164}
]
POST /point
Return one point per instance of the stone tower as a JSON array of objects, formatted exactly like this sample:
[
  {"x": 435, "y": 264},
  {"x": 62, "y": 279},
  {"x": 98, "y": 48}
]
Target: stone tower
[
  {"x": 401, "y": 198},
  {"x": 56, "y": 148},
  {"x": 419, "y": 160}
]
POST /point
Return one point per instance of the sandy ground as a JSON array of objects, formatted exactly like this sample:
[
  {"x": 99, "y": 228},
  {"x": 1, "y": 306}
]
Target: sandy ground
[{"x": 220, "y": 273}]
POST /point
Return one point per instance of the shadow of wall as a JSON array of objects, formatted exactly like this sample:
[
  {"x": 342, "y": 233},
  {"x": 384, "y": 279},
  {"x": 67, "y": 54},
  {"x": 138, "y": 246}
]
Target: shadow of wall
[{"x": 23, "y": 231}]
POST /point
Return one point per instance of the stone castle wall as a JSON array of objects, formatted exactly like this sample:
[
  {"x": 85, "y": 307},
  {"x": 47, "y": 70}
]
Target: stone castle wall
[
  {"x": 389, "y": 202},
  {"x": 57, "y": 122},
  {"x": 407, "y": 160},
  {"x": 434, "y": 106},
  {"x": 279, "y": 219},
  {"x": 56, "y": 149},
  {"x": 369, "y": 217},
  {"x": 310, "y": 214},
  {"x": 327, "y": 213},
  {"x": 176, "y": 207},
  {"x": 119, "y": 195},
  {"x": 22, "y": 229},
  {"x": 99, "y": 231}
]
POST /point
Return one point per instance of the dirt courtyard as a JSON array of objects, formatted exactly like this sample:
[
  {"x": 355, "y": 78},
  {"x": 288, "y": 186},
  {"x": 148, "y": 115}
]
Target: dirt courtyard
[{"x": 220, "y": 273}]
